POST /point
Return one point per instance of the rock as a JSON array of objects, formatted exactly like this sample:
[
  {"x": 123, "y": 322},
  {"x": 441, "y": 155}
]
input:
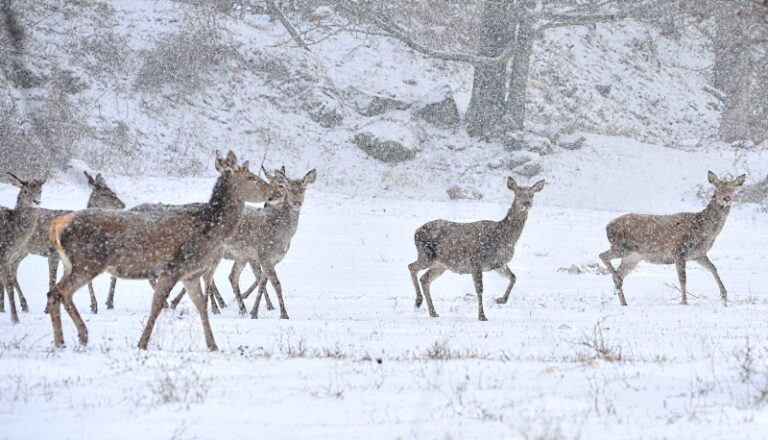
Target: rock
[
  {"x": 603, "y": 90},
  {"x": 571, "y": 141},
  {"x": 387, "y": 142},
  {"x": 530, "y": 170},
  {"x": 509, "y": 163},
  {"x": 439, "y": 108},
  {"x": 325, "y": 110},
  {"x": 456, "y": 192},
  {"x": 374, "y": 105}
]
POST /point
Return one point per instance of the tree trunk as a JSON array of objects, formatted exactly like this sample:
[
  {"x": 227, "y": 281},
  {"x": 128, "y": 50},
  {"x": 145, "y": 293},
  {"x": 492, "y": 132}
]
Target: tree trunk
[
  {"x": 518, "y": 83},
  {"x": 486, "y": 106}
]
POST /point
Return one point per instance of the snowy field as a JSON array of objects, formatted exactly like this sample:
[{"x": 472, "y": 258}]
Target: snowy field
[{"x": 561, "y": 360}]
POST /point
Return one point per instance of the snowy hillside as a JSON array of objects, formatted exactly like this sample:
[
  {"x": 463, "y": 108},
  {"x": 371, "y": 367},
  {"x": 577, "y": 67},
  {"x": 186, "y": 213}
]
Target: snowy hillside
[{"x": 251, "y": 92}]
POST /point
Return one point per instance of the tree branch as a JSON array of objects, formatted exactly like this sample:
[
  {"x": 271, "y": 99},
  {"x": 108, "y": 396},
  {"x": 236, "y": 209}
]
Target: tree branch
[
  {"x": 287, "y": 24},
  {"x": 394, "y": 31}
]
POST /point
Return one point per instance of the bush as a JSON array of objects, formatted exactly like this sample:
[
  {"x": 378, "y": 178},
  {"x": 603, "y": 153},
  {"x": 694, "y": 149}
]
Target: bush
[{"x": 183, "y": 61}]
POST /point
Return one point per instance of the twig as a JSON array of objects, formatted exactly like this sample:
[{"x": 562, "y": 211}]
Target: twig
[{"x": 287, "y": 24}]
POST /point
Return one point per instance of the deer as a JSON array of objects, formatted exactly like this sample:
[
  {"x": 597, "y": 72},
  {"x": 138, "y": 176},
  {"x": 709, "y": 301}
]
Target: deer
[
  {"x": 471, "y": 248},
  {"x": 101, "y": 196},
  {"x": 16, "y": 227},
  {"x": 262, "y": 240},
  {"x": 670, "y": 239},
  {"x": 163, "y": 246}
]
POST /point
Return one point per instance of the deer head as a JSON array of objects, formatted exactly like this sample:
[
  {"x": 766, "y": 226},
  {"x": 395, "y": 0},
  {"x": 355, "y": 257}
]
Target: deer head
[
  {"x": 29, "y": 191},
  {"x": 246, "y": 185},
  {"x": 724, "y": 191},
  {"x": 523, "y": 195},
  {"x": 102, "y": 195}
]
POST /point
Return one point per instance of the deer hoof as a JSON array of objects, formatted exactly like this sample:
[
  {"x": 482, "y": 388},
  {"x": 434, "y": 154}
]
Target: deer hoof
[
  {"x": 243, "y": 311},
  {"x": 24, "y": 307},
  {"x": 94, "y": 310},
  {"x": 683, "y": 303},
  {"x": 284, "y": 316},
  {"x": 501, "y": 300},
  {"x": 14, "y": 319},
  {"x": 434, "y": 315},
  {"x": 418, "y": 302},
  {"x": 213, "y": 347},
  {"x": 270, "y": 306},
  {"x": 482, "y": 318}
]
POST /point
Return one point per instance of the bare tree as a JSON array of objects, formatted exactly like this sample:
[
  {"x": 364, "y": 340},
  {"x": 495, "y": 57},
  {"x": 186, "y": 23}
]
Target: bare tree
[{"x": 508, "y": 30}]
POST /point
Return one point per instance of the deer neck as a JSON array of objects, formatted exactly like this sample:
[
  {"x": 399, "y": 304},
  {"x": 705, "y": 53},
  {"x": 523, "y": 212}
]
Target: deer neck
[
  {"x": 285, "y": 215},
  {"x": 511, "y": 226},
  {"x": 223, "y": 211},
  {"x": 714, "y": 215},
  {"x": 25, "y": 214}
]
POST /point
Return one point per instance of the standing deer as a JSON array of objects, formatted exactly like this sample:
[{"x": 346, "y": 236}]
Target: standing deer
[
  {"x": 16, "y": 227},
  {"x": 670, "y": 239},
  {"x": 164, "y": 246},
  {"x": 262, "y": 240},
  {"x": 471, "y": 248},
  {"x": 39, "y": 244}
]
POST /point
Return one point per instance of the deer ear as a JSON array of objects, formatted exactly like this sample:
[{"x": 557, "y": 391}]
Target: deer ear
[
  {"x": 740, "y": 180},
  {"x": 511, "y": 184},
  {"x": 16, "y": 181},
  {"x": 231, "y": 158},
  {"x": 310, "y": 177},
  {"x": 245, "y": 165},
  {"x": 100, "y": 179},
  {"x": 266, "y": 172},
  {"x": 91, "y": 182},
  {"x": 712, "y": 178},
  {"x": 538, "y": 186}
]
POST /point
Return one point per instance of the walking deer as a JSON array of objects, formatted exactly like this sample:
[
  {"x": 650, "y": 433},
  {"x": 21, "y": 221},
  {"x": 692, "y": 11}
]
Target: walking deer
[
  {"x": 166, "y": 247},
  {"x": 16, "y": 227},
  {"x": 101, "y": 197},
  {"x": 262, "y": 240},
  {"x": 670, "y": 239},
  {"x": 471, "y": 248}
]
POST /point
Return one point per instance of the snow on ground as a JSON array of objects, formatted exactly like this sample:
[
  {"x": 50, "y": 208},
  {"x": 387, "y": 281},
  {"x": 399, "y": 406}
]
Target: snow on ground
[{"x": 561, "y": 360}]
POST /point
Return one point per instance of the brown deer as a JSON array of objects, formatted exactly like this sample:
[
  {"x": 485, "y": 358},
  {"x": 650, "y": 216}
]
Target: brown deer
[
  {"x": 471, "y": 248},
  {"x": 101, "y": 197},
  {"x": 262, "y": 240},
  {"x": 166, "y": 247},
  {"x": 670, "y": 239},
  {"x": 16, "y": 227}
]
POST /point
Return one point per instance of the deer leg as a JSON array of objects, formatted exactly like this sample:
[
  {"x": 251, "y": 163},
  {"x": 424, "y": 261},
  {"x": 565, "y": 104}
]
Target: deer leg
[
  {"x": 111, "y": 297},
  {"x": 163, "y": 286},
  {"x": 53, "y": 267},
  {"x": 196, "y": 294},
  {"x": 477, "y": 278},
  {"x": 234, "y": 279},
  {"x": 680, "y": 266},
  {"x": 2, "y": 297},
  {"x": 212, "y": 289},
  {"x": 153, "y": 282},
  {"x": 707, "y": 263},
  {"x": 94, "y": 304},
  {"x": 8, "y": 284},
  {"x": 214, "y": 308},
  {"x": 506, "y": 272},
  {"x": 13, "y": 274},
  {"x": 617, "y": 281},
  {"x": 63, "y": 292},
  {"x": 426, "y": 280},
  {"x": 270, "y": 273},
  {"x": 257, "y": 272},
  {"x": 414, "y": 268},
  {"x": 179, "y": 297},
  {"x": 262, "y": 285}
]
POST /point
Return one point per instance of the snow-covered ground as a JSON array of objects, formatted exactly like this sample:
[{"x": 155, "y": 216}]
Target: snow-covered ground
[{"x": 561, "y": 360}]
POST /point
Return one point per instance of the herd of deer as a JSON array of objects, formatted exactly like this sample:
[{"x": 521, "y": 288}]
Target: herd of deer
[{"x": 167, "y": 244}]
